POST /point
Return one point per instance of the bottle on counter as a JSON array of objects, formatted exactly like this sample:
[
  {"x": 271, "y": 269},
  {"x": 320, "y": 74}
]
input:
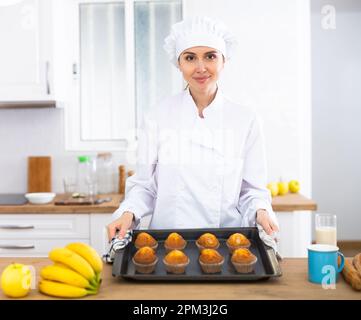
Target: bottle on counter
[
  {"x": 87, "y": 177},
  {"x": 106, "y": 173}
]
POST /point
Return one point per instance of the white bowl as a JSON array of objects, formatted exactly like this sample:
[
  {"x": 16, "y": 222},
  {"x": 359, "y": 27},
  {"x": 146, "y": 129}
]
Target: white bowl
[{"x": 40, "y": 197}]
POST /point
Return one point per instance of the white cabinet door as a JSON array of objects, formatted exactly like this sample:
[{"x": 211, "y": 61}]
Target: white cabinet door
[
  {"x": 98, "y": 231},
  {"x": 98, "y": 91},
  {"x": 295, "y": 233},
  {"x": 26, "y": 50},
  {"x": 34, "y": 235},
  {"x": 33, "y": 247},
  {"x": 44, "y": 226}
]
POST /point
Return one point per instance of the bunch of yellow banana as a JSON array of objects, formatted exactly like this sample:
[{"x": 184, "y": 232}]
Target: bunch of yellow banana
[{"x": 76, "y": 272}]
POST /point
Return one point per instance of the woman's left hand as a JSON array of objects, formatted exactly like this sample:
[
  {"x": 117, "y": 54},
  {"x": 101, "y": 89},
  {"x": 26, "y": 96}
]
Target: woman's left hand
[{"x": 266, "y": 222}]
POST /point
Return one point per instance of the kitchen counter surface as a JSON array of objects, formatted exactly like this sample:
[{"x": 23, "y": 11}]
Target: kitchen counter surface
[
  {"x": 293, "y": 202},
  {"x": 293, "y": 284},
  {"x": 286, "y": 203},
  {"x": 107, "y": 207}
]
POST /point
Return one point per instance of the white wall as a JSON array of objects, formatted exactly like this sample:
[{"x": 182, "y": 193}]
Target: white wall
[{"x": 336, "y": 85}]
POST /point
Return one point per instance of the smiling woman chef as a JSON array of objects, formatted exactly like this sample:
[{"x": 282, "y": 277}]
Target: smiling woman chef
[{"x": 201, "y": 161}]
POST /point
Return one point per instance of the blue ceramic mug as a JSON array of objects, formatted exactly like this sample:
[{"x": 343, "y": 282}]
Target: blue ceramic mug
[{"x": 322, "y": 263}]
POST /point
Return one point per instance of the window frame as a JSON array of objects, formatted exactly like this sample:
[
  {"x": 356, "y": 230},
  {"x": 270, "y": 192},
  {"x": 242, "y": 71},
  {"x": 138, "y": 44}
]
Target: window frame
[
  {"x": 69, "y": 79},
  {"x": 72, "y": 103}
]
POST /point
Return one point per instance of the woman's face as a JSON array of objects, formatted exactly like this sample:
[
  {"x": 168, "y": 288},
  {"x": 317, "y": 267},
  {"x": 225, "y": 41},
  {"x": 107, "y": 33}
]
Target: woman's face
[{"x": 201, "y": 67}]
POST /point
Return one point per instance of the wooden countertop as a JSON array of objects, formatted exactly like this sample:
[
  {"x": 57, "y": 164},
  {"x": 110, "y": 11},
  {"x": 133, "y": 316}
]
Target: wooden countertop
[
  {"x": 292, "y": 202},
  {"x": 107, "y": 207},
  {"x": 286, "y": 203},
  {"x": 293, "y": 284}
]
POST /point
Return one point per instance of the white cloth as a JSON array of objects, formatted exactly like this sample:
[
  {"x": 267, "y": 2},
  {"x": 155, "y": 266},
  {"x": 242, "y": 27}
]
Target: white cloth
[
  {"x": 199, "y": 31},
  {"x": 269, "y": 240},
  {"x": 199, "y": 173},
  {"x": 117, "y": 244}
]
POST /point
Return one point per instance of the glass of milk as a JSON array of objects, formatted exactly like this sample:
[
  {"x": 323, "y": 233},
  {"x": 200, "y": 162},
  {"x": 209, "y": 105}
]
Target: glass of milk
[{"x": 326, "y": 229}]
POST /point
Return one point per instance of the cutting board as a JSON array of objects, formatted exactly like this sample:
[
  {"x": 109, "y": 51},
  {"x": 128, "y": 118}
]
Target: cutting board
[
  {"x": 39, "y": 174},
  {"x": 74, "y": 201}
]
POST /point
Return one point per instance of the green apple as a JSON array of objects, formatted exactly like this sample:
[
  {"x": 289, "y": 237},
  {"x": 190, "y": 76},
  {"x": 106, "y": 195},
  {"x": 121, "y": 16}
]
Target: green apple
[
  {"x": 273, "y": 188},
  {"x": 16, "y": 280},
  {"x": 282, "y": 188},
  {"x": 294, "y": 186}
]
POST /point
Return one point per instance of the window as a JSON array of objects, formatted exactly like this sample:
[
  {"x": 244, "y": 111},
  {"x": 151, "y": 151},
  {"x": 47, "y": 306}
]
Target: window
[
  {"x": 102, "y": 69},
  {"x": 155, "y": 76},
  {"x": 119, "y": 69}
]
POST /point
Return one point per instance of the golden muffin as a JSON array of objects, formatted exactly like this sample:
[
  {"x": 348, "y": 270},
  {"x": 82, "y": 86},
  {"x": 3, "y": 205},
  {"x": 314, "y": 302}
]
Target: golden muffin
[
  {"x": 211, "y": 261},
  {"x": 236, "y": 241},
  {"x": 243, "y": 260},
  {"x": 176, "y": 261},
  {"x": 145, "y": 240},
  {"x": 145, "y": 260},
  {"x": 174, "y": 241},
  {"x": 207, "y": 241}
]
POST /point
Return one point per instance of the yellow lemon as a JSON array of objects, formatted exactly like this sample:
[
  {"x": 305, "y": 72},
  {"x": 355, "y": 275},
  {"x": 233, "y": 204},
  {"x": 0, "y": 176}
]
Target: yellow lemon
[
  {"x": 282, "y": 188},
  {"x": 273, "y": 188},
  {"x": 294, "y": 186},
  {"x": 16, "y": 280}
]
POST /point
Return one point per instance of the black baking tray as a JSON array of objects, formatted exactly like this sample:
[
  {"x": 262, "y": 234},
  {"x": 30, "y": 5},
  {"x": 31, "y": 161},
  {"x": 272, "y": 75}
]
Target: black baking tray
[{"x": 266, "y": 267}]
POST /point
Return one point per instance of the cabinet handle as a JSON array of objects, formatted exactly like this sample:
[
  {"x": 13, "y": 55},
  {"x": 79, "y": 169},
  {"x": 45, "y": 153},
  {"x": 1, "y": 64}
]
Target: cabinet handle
[
  {"x": 47, "y": 68},
  {"x": 15, "y": 246},
  {"x": 75, "y": 71},
  {"x": 14, "y": 227}
]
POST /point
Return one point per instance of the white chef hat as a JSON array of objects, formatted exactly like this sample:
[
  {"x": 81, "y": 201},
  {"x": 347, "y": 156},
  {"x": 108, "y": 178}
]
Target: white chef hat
[{"x": 199, "y": 31}]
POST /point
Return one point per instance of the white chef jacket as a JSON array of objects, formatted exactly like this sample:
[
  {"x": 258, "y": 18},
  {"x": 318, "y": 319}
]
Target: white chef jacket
[{"x": 195, "y": 172}]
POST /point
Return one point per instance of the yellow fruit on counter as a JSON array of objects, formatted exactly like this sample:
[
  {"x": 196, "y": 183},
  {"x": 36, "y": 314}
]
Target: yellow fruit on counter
[
  {"x": 65, "y": 275},
  {"x": 16, "y": 280},
  {"x": 88, "y": 253},
  {"x": 74, "y": 261},
  {"x": 62, "y": 290},
  {"x": 294, "y": 186},
  {"x": 282, "y": 188},
  {"x": 273, "y": 188}
]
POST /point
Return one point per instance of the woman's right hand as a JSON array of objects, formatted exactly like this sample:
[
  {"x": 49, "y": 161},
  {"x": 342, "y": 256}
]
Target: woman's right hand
[{"x": 122, "y": 224}]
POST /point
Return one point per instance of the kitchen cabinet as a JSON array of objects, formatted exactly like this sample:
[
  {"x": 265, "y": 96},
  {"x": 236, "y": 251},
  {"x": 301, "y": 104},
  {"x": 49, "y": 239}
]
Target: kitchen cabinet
[
  {"x": 98, "y": 231},
  {"x": 33, "y": 230},
  {"x": 36, "y": 234},
  {"x": 26, "y": 51},
  {"x": 97, "y": 84},
  {"x": 294, "y": 213},
  {"x": 30, "y": 235}
]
